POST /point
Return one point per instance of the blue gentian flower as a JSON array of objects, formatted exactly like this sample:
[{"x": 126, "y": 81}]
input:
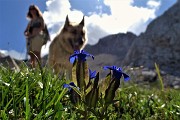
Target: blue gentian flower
[
  {"x": 80, "y": 55},
  {"x": 69, "y": 86},
  {"x": 117, "y": 72},
  {"x": 74, "y": 97},
  {"x": 92, "y": 74}
]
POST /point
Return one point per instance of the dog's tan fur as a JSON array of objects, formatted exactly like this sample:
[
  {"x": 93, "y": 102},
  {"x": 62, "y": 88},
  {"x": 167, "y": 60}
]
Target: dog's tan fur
[{"x": 71, "y": 37}]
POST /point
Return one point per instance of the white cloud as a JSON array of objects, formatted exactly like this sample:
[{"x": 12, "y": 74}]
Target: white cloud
[
  {"x": 22, "y": 55},
  {"x": 45, "y": 49},
  {"x": 14, "y": 54},
  {"x": 56, "y": 11},
  {"x": 3, "y": 53},
  {"x": 154, "y": 3},
  {"x": 124, "y": 17}
]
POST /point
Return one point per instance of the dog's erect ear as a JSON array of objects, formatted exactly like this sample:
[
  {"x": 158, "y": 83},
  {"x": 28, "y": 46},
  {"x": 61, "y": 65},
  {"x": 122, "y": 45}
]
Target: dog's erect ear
[
  {"x": 67, "y": 21},
  {"x": 82, "y": 22}
]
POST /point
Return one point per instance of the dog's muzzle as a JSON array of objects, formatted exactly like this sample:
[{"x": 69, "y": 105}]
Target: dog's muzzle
[{"x": 78, "y": 43}]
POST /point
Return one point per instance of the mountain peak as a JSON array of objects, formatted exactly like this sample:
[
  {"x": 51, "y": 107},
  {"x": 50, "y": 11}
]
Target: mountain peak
[{"x": 160, "y": 43}]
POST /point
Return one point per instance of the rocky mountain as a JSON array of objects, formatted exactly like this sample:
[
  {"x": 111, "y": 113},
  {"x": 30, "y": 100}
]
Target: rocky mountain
[
  {"x": 110, "y": 50},
  {"x": 160, "y": 43},
  {"x": 117, "y": 44},
  {"x": 8, "y": 61}
]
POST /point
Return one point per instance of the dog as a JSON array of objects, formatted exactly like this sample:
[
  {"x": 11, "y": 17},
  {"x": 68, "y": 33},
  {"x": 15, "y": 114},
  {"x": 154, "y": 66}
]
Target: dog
[{"x": 71, "y": 37}]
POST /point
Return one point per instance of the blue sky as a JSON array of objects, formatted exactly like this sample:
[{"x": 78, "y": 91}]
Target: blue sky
[
  {"x": 13, "y": 22},
  {"x": 102, "y": 17}
]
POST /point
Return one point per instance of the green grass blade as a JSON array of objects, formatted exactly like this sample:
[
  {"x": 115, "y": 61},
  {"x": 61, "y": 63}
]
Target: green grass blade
[
  {"x": 159, "y": 76},
  {"x": 27, "y": 102},
  {"x": 3, "y": 115},
  {"x": 61, "y": 95}
]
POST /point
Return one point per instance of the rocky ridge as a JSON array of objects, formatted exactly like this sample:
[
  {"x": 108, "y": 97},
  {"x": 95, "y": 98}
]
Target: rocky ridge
[{"x": 158, "y": 44}]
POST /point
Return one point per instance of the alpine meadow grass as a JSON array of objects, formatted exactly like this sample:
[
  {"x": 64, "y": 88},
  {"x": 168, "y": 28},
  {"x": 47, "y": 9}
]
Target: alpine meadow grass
[{"x": 37, "y": 94}]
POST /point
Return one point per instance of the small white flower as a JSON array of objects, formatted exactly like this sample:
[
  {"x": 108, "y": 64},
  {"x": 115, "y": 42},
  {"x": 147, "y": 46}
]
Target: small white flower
[
  {"x": 24, "y": 101},
  {"x": 11, "y": 112},
  {"x": 163, "y": 105},
  {"x": 177, "y": 113},
  {"x": 130, "y": 95},
  {"x": 40, "y": 84},
  {"x": 65, "y": 109},
  {"x": 7, "y": 84},
  {"x": 155, "y": 96}
]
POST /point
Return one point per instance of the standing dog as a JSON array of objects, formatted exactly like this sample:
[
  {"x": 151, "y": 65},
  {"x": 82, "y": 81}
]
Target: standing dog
[{"x": 71, "y": 37}]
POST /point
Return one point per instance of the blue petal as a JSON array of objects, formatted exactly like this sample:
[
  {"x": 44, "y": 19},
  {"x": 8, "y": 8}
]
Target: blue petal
[
  {"x": 126, "y": 77},
  {"x": 112, "y": 68},
  {"x": 69, "y": 86},
  {"x": 72, "y": 59},
  {"x": 117, "y": 72},
  {"x": 92, "y": 74},
  {"x": 72, "y": 84},
  {"x": 80, "y": 54},
  {"x": 119, "y": 69},
  {"x": 87, "y": 54},
  {"x": 77, "y": 51},
  {"x": 108, "y": 67},
  {"x": 66, "y": 86}
]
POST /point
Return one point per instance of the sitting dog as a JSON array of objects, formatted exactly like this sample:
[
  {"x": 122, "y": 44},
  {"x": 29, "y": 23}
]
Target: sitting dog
[{"x": 71, "y": 37}]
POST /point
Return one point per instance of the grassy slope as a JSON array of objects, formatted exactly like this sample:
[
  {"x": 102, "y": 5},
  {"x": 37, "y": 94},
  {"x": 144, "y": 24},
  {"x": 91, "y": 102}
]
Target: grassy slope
[{"x": 22, "y": 95}]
